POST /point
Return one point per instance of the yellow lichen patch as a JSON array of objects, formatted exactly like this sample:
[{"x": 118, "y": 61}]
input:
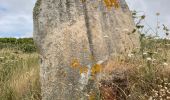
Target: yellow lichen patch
[
  {"x": 111, "y": 3},
  {"x": 83, "y": 69},
  {"x": 96, "y": 69},
  {"x": 75, "y": 63}
]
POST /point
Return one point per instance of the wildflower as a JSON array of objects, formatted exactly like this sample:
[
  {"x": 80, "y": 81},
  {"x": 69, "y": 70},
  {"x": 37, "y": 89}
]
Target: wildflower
[
  {"x": 1, "y": 57},
  {"x": 165, "y": 79},
  {"x": 165, "y": 88},
  {"x": 155, "y": 52},
  {"x": 168, "y": 84},
  {"x": 129, "y": 95},
  {"x": 130, "y": 55},
  {"x": 100, "y": 62},
  {"x": 145, "y": 53},
  {"x": 149, "y": 59},
  {"x": 159, "y": 86},
  {"x": 153, "y": 59},
  {"x": 167, "y": 44},
  {"x": 157, "y": 14},
  {"x": 87, "y": 95},
  {"x": 168, "y": 91},
  {"x": 165, "y": 64},
  {"x": 150, "y": 98},
  {"x": 156, "y": 94}
]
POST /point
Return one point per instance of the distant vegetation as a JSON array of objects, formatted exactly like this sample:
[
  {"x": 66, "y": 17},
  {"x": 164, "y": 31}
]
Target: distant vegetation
[{"x": 23, "y": 44}]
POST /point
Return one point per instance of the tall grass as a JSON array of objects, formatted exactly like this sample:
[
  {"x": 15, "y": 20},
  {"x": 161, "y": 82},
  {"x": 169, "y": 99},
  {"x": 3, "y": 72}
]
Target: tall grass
[
  {"x": 149, "y": 79},
  {"x": 148, "y": 73},
  {"x": 19, "y": 75}
]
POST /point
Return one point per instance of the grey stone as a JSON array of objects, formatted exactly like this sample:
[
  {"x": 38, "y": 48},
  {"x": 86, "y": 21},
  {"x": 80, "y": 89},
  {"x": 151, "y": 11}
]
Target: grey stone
[{"x": 69, "y": 29}]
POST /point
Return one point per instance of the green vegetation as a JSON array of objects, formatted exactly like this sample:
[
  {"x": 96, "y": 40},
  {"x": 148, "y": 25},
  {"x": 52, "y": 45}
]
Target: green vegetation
[
  {"x": 148, "y": 75},
  {"x": 149, "y": 78},
  {"x": 25, "y": 45},
  {"x": 19, "y": 70}
]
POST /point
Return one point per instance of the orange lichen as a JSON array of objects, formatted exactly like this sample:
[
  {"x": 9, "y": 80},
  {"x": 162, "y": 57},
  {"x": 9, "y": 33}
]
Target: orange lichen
[
  {"x": 96, "y": 69},
  {"x": 83, "y": 69},
  {"x": 75, "y": 63},
  {"x": 111, "y": 3}
]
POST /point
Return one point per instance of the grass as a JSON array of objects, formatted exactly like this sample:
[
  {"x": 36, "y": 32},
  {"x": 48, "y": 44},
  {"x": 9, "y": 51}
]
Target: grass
[
  {"x": 148, "y": 74},
  {"x": 19, "y": 75}
]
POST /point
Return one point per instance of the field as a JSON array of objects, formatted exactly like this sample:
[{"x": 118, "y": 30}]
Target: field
[
  {"x": 19, "y": 70},
  {"x": 148, "y": 78}
]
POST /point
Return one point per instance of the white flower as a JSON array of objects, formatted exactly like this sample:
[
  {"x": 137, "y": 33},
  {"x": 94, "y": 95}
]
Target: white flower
[
  {"x": 167, "y": 44},
  {"x": 165, "y": 64},
  {"x": 149, "y": 59},
  {"x": 153, "y": 59},
  {"x": 2, "y": 57},
  {"x": 150, "y": 98},
  {"x": 130, "y": 55},
  {"x": 145, "y": 53},
  {"x": 155, "y": 52},
  {"x": 165, "y": 87}
]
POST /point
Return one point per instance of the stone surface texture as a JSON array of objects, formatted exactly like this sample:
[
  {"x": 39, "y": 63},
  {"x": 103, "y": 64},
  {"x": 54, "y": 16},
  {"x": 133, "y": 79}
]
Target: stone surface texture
[{"x": 71, "y": 29}]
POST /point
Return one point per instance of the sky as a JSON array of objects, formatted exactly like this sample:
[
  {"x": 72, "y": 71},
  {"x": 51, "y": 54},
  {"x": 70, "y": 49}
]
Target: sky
[{"x": 16, "y": 15}]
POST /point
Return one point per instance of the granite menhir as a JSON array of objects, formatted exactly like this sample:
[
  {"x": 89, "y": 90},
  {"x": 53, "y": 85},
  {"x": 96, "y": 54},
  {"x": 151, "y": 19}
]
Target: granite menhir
[{"x": 65, "y": 30}]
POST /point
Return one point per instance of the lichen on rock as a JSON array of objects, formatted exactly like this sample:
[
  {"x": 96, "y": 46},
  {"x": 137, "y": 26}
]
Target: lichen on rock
[{"x": 37, "y": 9}]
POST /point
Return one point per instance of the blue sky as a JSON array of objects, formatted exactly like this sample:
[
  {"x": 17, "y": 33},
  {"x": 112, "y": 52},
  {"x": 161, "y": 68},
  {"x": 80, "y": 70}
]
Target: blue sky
[{"x": 16, "y": 15}]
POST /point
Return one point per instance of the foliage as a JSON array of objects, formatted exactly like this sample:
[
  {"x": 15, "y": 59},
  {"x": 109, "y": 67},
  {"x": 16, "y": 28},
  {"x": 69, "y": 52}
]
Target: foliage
[
  {"x": 149, "y": 77},
  {"x": 23, "y": 44}
]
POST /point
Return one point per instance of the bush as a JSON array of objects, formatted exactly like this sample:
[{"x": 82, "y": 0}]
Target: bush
[{"x": 23, "y": 44}]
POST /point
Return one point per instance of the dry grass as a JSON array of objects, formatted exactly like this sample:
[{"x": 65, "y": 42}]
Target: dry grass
[
  {"x": 142, "y": 75},
  {"x": 19, "y": 76}
]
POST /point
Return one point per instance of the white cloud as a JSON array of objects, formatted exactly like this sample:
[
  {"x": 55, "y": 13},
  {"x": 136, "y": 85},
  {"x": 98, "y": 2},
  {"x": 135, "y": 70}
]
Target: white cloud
[
  {"x": 16, "y": 18},
  {"x": 16, "y": 15}
]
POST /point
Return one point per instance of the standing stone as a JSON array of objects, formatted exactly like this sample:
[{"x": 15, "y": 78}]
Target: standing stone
[{"x": 65, "y": 30}]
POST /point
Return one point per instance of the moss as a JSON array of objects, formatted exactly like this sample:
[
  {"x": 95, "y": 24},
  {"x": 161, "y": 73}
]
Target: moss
[{"x": 37, "y": 9}]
